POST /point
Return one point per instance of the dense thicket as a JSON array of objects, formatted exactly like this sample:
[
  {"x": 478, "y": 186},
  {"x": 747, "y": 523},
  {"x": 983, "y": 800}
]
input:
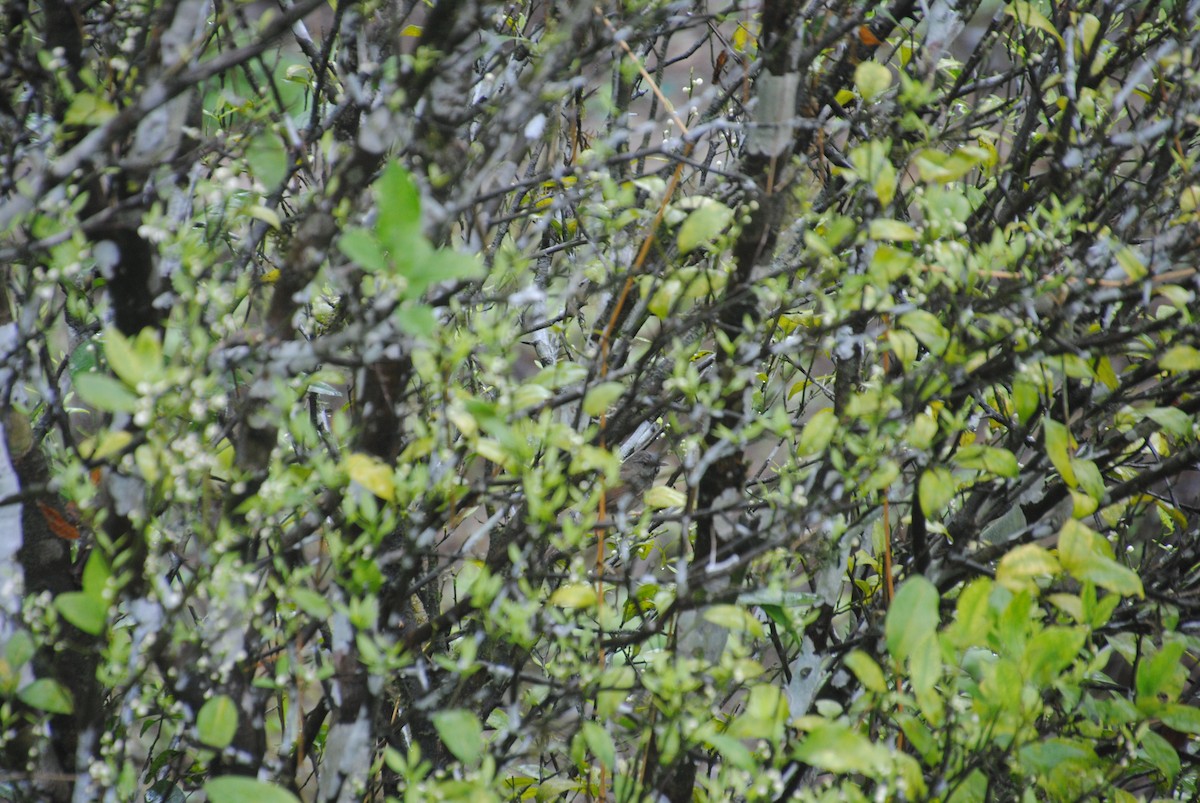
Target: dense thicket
[{"x": 328, "y": 330}]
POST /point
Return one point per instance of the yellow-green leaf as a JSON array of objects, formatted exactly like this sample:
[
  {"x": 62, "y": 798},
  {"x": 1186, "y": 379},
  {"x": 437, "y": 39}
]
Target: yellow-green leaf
[
  {"x": 936, "y": 489},
  {"x": 663, "y": 496},
  {"x": 1019, "y": 568},
  {"x": 703, "y": 225},
  {"x": 866, "y": 670},
  {"x": 888, "y": 229},
  {"x": 872, "y": 78},
  {"x": 373, "y": 474},
  {"x": 574, "y": 595},
  {"x": 461, "y": 732},
  {"x": 600, "y": 397},
  {"x": 217, "y": 721},
  {"x": 1058, "y": 448},
  {"x": 1180, "y": 358},
  {"x": 1026, "y": 14}
]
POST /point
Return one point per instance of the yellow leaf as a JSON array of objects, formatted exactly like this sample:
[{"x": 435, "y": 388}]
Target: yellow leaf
[
  {"x": 1019, "y": 567},
  {"x": 1026, "y": 14},
  {"x": 574, "y": 595},
  {"x": 662, "y": 497},
  {"x": 372, "y": 474}
]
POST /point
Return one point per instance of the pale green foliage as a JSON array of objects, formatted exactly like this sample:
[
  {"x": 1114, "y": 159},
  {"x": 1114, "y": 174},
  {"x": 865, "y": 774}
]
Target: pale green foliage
[{"x": 328, "y": 505}]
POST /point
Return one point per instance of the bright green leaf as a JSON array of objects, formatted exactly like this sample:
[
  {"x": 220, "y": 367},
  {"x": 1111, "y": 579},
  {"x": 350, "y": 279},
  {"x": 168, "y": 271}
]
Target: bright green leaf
[
  {"x": 992, "y": 459},
  {"x": 1180, "y": 358},
  {"x": 363, "y": 248},
  {"x": 600, "y": 743},
  {"x": 866, "y": 670},
  {"x": 1082, "y": 554},
  {"x": 833, "y": 747},
  {"x": 817, "y": 433},
  {"x": 398, "y": 224},
  {"x": 600, "y": 397},
  {"x": 87, "y": 612},
  {"x": 240, "y": 789},
  {"x": 217, "y": 721},
  {"x": 872, "y": 78},
  {"x": 935, "y": 490},
  {"x": 1024, "y": 564},
  {"x": 47, "y": 695},
  {"x": 912, "y": 619},
  {"x": 1058, "y": 449},
  {"x": 105, "y": 393},
  {"x": 894, "y": 230},
  {"x": 1026, "y": 14},
  {"x": 461, "y": 732},
  {"x": 703, "y": 225}
]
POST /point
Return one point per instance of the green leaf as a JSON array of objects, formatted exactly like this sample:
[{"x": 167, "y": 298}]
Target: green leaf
[
  {"x": 734, "y": 618},
  {"x": 1021, "y": 566},
  {"x": 122, "y": 358},
  {"x": 47, "y": 695},
  {"x": 96, "y": 575},
  {"x": 935, "y": 490},
  {"x": 913, "y": 618},
  {"x": 217, "y": 721},
  {"x": 661, "y": 497},
  {"x": 1026, "y": 14},
  {"x": 1026, "y": 399},
  {"x": 87, "y": 612},
  {"x": 363, "y": 248},
  {"x": 1051, "y": 651},
  {"x": 1058, "y": 447},
  {"x": 615, "y": 685},
  {"x": 574, "y": 595},
  {"x": 1090, "y": 479},
  {"x": 398, "y": 200},
  {"x": 1180, "y": 358},
  {"x": 703, "y": 225},
  {"x": 972, "y": 621},
  {"x": 19, "y": 649},
  {"x": 90, "y": 110},
  {"x": 867, "y": 671},
  {"x": 871, "y": 165},
  {"x": 600, "y": 743},
  {"x": 904, "y": 346},
  {"x": 240, "y": 789},
  {"x": 1055, "y": 754},
  {"x": 1159, "y": 675},
  {"x": 268, "y": 159},
  {"x": 894, "y": 230},
  {"x": 1171, "y": 419},
  {"x": 927, "y": 328},
  {"x": 105, "y": 393},
  {"x": 462, "y": 734},
  {"x": 992, "y": 459},
  {"x": 312, "y": 603},
  {"x": 872, "y": 78},
  {"x": 817, "y": 433},
  {"x": 1082, "y": 554},
  {"x": 371, "y": 473},
  {"x": 1183, "y": 718},
  {"x": 733, "y": 751},
  {"x": 834, "y": 747},
  {"x": 1161, "y": 754},
  {"x": 764, "y": 715},
  {"x": 600, "y": 397}
]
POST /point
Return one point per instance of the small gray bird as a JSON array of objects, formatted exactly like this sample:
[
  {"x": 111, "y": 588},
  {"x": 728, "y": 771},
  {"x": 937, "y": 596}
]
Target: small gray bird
[{"x": 638, "y": 473}]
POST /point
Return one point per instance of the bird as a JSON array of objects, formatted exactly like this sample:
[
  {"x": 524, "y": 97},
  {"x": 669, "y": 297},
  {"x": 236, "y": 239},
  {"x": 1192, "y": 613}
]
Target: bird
[{"x": 638, "y": 473}]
